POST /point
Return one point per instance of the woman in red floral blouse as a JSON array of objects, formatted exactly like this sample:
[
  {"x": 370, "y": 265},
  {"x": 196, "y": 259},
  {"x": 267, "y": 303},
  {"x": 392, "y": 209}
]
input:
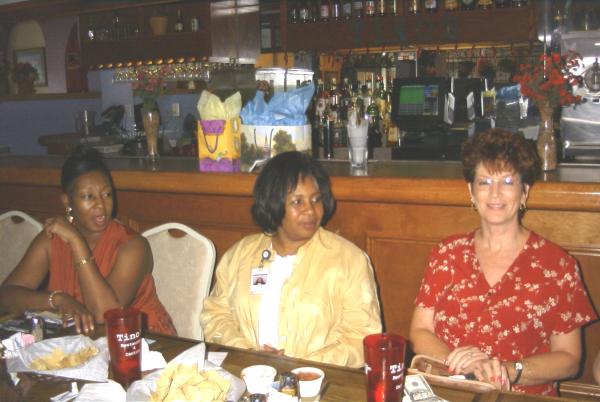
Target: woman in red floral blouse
[{"x": 502, "y": 302}]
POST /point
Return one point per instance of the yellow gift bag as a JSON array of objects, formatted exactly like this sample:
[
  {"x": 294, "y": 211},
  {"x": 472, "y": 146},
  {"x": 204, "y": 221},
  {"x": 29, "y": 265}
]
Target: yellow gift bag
[{"x": 219, "y": 145}]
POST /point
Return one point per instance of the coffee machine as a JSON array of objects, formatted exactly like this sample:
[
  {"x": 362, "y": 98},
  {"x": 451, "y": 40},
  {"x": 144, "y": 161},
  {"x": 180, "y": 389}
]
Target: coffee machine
[{"x": 580, "y": 124}]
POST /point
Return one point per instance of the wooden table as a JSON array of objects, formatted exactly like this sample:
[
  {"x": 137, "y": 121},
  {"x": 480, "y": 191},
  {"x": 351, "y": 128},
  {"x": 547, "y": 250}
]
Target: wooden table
[{"x": 344, "y": 384}]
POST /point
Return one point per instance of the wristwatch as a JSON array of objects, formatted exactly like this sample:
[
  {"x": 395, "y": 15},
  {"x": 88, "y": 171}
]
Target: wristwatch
[{"x": 518, "y": 371}]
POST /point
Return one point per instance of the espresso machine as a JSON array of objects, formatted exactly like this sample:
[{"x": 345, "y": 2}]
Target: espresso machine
[{"x": 580, "y": 124}]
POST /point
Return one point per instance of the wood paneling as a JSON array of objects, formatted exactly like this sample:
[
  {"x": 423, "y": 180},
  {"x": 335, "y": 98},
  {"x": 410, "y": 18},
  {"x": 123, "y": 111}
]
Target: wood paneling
[{"x": 396, "y": 220}]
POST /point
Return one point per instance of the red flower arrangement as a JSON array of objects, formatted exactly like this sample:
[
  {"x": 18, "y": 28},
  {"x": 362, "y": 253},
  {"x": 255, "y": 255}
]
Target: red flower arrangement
[
  {"x": 149, "y": 85},
  {"x": 549, "y": 81}
]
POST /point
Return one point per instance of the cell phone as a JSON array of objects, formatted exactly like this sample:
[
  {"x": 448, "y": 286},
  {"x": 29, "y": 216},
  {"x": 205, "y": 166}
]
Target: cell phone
[{"x": 49, "y": 318}]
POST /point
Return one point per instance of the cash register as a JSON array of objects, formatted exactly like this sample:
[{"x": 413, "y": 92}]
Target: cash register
[{"x": 425, "y": 108}]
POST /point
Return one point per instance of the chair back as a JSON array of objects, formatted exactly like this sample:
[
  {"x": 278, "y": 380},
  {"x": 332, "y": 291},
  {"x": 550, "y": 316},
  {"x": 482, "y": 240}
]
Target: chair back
[
  {"x": 183, "y": 269},
  {"x": 17, "y": 230}
]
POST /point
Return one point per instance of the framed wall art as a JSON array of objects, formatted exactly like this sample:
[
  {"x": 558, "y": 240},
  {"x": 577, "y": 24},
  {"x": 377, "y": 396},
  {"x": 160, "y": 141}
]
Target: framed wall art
[{"x": 37, "y": 58}]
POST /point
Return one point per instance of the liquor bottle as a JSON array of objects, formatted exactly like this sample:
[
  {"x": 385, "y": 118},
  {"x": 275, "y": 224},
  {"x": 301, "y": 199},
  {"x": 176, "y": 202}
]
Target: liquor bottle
[
  {"x": 502, "y": 3},
  {"x": 178, "y": 22},
  {"x": 430, "y": 6},
  {"x": 357, "y": 9},
  {"x": 519, "y": 3},
  {"x": 370, "y": 8},
  {"x": 484, "y": 4},
  {"x": 293, "y": 13},
  {"x": 392, "y": 7},
  {"x": 451, "y": 5},
  {"x": 336, "y": 10},
  {"x": 314, "y": 12},
  {"x": 347, "y": 9},
  {"x": 380, "y": 8},
  {"x": 303, "y": 12},
  {"x": 327, "y": 138},
  {"x": 324, "y": 11},
  {"x": 413, "y": 6},
  {"x": 467, "y": 5},
  {"x": 195, "y": 24}
]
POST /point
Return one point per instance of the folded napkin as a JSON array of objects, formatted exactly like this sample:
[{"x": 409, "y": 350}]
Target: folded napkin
[{"x": 110, "y": 391}]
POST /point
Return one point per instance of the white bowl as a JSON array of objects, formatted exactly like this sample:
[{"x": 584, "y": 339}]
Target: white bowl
[
  {"x": 309, "y": 388},
  {"x": 258, "y": 378}
]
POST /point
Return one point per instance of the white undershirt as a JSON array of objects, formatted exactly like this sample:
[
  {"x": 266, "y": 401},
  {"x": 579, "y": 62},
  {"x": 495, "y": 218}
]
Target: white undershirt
[{"x": 268, "y": 313}]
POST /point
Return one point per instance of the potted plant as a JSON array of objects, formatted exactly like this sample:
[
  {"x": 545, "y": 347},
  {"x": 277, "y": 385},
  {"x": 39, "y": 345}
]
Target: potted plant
[{"x": 24, "y": 75}]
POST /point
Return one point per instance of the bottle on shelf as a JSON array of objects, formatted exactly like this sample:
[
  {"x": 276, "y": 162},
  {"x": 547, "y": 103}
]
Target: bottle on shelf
[
  {"x": 336, "y": 10},
  {"x": 519, "y": 3},
  {"x": 485, "y": 4},
  {"x": 392, "y": 7},
  {"x": 293, "y": 12},
  {"x": 380, "y": 8},
  {"x": 430, "y": 6},
  {"x": 467, "y": 5},
  {"x": 178, "y": 22},
  {"x": 314, "y": 12},
  {"x": 370, "y": 8},
  {"x": 347, "y": 9},
  {"x": 324, "y": 11},
  {"x": 303, "y": 11},
  {"x": 195, "y": 24},
  {"x": 451, "y": 5},
  {"x": 357, "y": 8},
  {"x": 413, "y": 6}
]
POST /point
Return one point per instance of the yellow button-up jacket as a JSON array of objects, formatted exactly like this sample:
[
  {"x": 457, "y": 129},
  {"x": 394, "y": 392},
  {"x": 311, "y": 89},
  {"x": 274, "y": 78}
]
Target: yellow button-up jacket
[{"x": 328, "y": 305}]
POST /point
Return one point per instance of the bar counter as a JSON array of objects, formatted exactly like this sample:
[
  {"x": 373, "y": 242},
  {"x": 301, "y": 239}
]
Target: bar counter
[{"x": 396, "y": 212}]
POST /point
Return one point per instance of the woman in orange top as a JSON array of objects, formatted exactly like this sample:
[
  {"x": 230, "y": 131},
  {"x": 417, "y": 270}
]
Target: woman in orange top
[{"x": 94, "y": 262}]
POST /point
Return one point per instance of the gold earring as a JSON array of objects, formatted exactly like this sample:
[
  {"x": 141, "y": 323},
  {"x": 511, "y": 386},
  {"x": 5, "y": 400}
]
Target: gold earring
[
  {"x": 68, "y": 214},
  {"x": 473, "y": 206}
]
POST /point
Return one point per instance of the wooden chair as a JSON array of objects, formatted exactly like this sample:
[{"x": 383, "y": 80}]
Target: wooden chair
[
  {"x": 184, "y": 262},
  {"x": 17, "y": 230}
]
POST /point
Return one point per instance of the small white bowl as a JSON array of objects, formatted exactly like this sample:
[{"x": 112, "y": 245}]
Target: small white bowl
[
  {"x": 309, "y": 387},
  {"x": 258, "y": 378}
]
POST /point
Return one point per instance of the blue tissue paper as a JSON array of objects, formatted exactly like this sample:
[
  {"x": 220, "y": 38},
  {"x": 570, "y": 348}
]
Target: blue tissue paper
[{"x": 284, "y": 108}]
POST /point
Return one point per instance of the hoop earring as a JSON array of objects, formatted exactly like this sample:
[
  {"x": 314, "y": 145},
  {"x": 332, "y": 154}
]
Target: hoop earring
[{"x": 68, "y": 214}]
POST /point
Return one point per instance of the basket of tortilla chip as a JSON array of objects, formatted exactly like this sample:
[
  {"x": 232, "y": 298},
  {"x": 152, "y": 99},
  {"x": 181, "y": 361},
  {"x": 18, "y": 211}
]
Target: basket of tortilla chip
[
  {"x": 73, "y": 357},
  {"x": 183, "y": 380}
]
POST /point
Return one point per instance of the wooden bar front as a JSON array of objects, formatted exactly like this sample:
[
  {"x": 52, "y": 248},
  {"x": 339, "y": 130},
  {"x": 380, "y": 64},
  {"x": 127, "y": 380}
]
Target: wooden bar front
[{"x": 396, "y": 213}]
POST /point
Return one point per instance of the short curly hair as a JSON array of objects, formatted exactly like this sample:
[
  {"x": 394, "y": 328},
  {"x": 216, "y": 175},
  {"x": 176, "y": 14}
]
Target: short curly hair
[
  {"x": 280, "y": 176},
  {"x": 499, "y": 150}
]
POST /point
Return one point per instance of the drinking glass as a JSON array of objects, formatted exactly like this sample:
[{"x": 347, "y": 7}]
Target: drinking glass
[
  {"x": 384, "y": 367},
  {"x": 123, "y": 332}
]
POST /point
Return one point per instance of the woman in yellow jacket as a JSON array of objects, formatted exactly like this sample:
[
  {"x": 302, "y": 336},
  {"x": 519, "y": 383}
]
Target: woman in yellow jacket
[{"x": 296, "y": 289}]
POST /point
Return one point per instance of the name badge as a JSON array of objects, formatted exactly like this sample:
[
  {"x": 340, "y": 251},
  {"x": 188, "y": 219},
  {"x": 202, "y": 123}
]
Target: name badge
[{"x": 259, "y": 281}]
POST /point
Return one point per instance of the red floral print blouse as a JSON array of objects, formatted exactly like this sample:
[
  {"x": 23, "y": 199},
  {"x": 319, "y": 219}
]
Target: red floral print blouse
[{"x": 541, "y": 294}]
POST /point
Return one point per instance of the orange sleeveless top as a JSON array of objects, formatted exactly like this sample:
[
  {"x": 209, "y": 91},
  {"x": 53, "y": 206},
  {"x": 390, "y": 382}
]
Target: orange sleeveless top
[{"x": 63, "y": 276}]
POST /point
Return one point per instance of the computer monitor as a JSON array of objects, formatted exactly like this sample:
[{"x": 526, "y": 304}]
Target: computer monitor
[
  {"x": 419, "y": 103},
  {"x": 467, "y": 98}
]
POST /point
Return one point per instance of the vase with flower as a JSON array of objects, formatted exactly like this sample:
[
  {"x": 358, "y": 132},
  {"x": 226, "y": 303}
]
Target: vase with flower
[
  {"x": 24, "y": 75},
  {"x": 548, "y": 82},
  {"x": 149, "y": 85}
]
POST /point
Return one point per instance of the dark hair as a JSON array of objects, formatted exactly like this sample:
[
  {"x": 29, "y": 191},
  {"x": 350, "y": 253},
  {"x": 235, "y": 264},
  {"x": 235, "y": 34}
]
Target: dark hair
[
  {"x": 84, "y": 160},
  {"x": 280, "y": 176},
  {"x": 499, "y": 150}
]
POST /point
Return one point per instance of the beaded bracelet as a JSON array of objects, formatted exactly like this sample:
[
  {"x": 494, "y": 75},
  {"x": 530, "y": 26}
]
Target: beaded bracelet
[
  {"x": 51, "y": 298},
  {"x": 84, "y": 261}
]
